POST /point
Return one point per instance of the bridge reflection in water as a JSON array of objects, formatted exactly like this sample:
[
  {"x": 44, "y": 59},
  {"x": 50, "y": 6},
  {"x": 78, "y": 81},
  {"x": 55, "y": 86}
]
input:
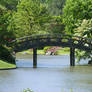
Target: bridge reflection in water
[{"x": 62, "y": 40}]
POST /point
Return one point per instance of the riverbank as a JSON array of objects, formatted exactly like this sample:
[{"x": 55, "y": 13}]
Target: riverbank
[
  {"x": 5, "y": 65},
  {"x": 63, "y": 51}
]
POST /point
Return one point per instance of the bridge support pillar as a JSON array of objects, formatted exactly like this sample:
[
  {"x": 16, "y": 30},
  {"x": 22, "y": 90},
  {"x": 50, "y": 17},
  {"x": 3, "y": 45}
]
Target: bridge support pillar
[
  {"x": 34, "y": 57},
  {"x": 72, "y": 56}
]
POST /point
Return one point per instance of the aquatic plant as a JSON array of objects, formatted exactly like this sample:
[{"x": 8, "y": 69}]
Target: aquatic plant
[{"x": 27, "y": 90}]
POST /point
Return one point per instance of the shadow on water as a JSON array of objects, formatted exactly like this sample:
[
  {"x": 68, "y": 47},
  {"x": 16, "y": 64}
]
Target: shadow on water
[{"x": 52, "y": 75}]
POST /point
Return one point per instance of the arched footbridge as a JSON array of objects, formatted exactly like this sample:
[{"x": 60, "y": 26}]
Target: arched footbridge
[{"x": 62, "y": 40}]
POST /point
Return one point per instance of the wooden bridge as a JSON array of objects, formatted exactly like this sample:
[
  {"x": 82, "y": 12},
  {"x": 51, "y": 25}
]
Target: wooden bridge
[{"x": 61, "y": 40}]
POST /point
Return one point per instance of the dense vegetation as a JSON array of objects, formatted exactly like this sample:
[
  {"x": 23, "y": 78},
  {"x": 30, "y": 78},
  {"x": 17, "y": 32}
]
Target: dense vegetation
[
  {"x": 31, "y": 18},
  {"x": 78, "y": 20},
  {"x": 27, "y": 17}
]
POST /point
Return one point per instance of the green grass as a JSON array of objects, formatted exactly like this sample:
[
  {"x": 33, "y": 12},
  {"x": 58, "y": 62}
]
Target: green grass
[
  {"x": 5, "y": 65},
  {"x": 63, "y": 51},
  {"x": 39, "y": 52}
]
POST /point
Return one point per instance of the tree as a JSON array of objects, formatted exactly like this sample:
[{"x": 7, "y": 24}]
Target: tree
[
  {"x": 5, "y": 34},
  {"x": 55, "y": 10},
  {"x": 54, "y": 6},
  {"x": 30, "y": 18},
  {"x": 56, "y": 26},
  {"x": 74, "y": 11},
  {"x": 77, "y": 17}
]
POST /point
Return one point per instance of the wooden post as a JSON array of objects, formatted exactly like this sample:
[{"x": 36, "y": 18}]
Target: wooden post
[
  {"x": 72, "y": 56},
  {"x": 34, "y": 57}
]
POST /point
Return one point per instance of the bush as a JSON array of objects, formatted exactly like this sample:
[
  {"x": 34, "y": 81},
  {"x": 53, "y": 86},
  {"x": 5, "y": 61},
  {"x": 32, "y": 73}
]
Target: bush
[
  {"x": 46, "y": 48},
  {"x": 5, "y": 54},
  {"x": 84, "y": 30}
]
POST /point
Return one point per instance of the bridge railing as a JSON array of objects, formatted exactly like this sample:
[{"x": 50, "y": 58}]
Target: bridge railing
[{"x": 52, "y": 35}]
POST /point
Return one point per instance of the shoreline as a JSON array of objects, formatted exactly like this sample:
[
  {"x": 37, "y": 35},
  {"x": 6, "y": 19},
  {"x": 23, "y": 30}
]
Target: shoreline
[
  {"x": 41, "y": 52},
  {"x": 8, "y": 69}
]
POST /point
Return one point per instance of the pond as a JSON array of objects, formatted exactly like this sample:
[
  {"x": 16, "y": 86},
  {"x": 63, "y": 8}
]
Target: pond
[{"x": 52, "y": 75}]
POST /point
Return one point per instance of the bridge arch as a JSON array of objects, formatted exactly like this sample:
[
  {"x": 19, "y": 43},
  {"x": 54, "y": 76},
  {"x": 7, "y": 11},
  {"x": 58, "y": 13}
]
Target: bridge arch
[{"x": 61, "y": 40}]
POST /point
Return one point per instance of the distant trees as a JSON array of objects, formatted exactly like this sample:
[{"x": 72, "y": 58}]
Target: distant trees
[
  {"x": 9, "y": 4},
  {"x": 55, "y": 10},
  {"x": 54, "y": 6}
]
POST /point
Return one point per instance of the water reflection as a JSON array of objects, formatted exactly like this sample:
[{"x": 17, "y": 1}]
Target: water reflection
[{"x": 52, "y": 75}]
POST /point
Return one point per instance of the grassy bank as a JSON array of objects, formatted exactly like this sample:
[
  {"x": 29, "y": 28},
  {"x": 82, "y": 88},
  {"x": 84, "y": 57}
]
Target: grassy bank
[
  {"x": 5, "y": 65},
  {"x": 63, "y": 51}
]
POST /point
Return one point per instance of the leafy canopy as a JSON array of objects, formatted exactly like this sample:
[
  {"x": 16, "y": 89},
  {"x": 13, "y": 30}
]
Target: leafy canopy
[
  {"x": 74, "y": 11},
  {"x": 30, "y": 18},
  {"x": 77, "y": 17},
  {"x": 5, "y": 34}
]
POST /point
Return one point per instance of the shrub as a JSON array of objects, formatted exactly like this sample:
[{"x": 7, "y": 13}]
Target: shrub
[
  {"x": 85, "y": 30},
  {"x": 46, "y": 48},
  {"x": 5, "y": 54}
]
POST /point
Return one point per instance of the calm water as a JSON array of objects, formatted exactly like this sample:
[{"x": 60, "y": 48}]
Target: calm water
[{"x": 52, "y": 75}]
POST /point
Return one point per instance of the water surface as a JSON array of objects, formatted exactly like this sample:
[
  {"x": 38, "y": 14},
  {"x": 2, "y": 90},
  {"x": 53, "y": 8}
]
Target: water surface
[{"x": 52, "y": 75}]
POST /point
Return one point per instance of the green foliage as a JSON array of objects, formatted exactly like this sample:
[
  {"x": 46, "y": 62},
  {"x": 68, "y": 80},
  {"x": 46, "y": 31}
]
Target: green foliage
[
  {"x": 27, "y": 90},
  {"x": 46, "y": 48},
  {"x": 77, "y": 18},
  {"x": 9, "y": 4},
  {"x": 54, "y": 6},
  {"x": 56, "y": 26},
  {"x": 5, "y": 34},
  {"x": 74, "y": 11},
  {"x": 31, "y": 18},
  {"x": 84, "y": 30},
  {"x": 82, "y": 55},
  {"x": 5, "y": 54}
]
